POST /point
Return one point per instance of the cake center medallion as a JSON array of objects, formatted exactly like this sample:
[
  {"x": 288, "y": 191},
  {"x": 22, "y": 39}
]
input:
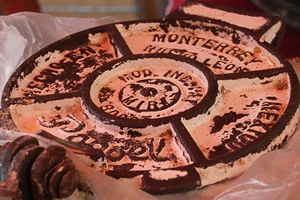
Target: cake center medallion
[{"x": 147, "y": 88}]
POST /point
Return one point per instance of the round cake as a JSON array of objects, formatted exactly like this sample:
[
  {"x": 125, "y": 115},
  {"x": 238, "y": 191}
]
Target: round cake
[{"x": 171, "y": 105}]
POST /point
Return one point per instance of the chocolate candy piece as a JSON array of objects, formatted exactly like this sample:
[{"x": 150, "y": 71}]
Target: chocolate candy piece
[
  {"x": 33, "y": 172},
  {"x": 48, "y": 159},
  {"x": 12, "y": 149},
  {"x": 19, "y": 170},
  {"x": 62, "y": 180}
]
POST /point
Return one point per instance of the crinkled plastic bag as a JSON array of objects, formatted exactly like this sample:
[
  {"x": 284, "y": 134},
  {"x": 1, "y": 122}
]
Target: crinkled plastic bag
[{"x": 276, "y": 175}]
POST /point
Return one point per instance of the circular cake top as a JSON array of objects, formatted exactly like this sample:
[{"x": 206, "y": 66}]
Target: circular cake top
[{"x": 172, "y": 104}]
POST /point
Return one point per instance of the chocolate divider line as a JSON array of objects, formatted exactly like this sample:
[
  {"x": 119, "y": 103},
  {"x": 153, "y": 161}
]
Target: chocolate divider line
[
  {"x": 187, "y": 141},
  {"x": 118, "y": 41},
  {"x": 266, "y": 73},
  {"x": 40, "y": 99}
]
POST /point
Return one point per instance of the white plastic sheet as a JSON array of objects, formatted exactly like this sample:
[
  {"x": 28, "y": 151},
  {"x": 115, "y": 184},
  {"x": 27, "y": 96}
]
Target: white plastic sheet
[{"x": 275, "y": 175}]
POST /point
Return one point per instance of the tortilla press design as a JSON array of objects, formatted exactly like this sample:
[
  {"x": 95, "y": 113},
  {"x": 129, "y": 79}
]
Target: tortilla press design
[{"x": 172, "y": 104}]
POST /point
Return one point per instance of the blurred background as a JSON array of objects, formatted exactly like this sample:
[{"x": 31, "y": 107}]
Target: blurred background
[{"x": 125, "y": 9}]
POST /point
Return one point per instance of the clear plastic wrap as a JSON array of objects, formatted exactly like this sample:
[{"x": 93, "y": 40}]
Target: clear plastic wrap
[{"x": 275, "y": 175}]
